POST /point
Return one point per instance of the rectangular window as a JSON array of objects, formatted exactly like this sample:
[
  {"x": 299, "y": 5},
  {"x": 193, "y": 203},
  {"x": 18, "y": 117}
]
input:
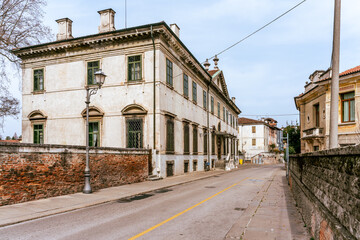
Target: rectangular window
[
  {"x": 218, "y": 108},
  {"x": 169, "y": 72},
  {"x": 134, "y": 68},
  {"x": 205, "y": 142},
  {"x": 38, "y": 80},
  {"x": 195, "y": 140},
  {"x": 348, "y": 107},
  {"x": 39, "y": 133},
  {"x": 194, "y": 92},
  {"x": 316, "y": 148},
  {"x": 94, "y": 134},
  {"x": 170, "y": 135},
  {"x": 92, "y": 67},
  {"x": 186, "y": 138},
  {"x": 254, "y": 142},
  {"x": 212, "y": 143},
  {"x": 186, "y": 85},
  {"x": 212, "y": 104},
  {"x": 227, "y": 117},
  {"x": 317, "y": 115},
  {"x": 224, "y": 114},
  {"x": 253, "y": 129},
  {"x": 204, "y": 100},
  {"x": 134, "y": 128}
]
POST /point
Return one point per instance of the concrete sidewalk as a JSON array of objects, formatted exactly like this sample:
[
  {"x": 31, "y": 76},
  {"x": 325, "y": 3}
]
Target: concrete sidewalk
[
  {"x": 272, "y": 214},
  {"x": 21, "y": 212}
]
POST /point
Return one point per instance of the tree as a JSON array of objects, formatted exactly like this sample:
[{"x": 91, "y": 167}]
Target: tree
[
  {"x": 20, "y": 25},
  {"x": 294, "y": 137}
]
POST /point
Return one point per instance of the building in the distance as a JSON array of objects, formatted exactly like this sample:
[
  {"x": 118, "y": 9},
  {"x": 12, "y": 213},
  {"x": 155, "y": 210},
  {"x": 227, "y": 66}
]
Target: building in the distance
[
  {"x": 156, "y": 95},
  {"x": 314, "y": 108},
  {"x": 258, "y": 137}
]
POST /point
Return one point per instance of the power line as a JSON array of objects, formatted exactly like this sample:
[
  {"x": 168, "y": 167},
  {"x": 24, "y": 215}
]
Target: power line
[{"x": 259, "y": 29}]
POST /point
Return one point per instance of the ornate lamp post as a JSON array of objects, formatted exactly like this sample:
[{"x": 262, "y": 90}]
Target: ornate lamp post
[{"x": 91, "y": 90}]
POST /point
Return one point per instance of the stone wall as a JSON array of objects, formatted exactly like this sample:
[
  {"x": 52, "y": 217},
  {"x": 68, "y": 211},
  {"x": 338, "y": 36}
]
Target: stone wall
[
  {"x": 29, "y": 171},
  {"x": 326, "y": 187}
]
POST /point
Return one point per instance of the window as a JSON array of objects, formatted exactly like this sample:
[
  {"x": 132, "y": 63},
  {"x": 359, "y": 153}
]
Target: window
[
  {"x": 194, "y": 92},
  {"x": 170, "y": 135},
  {"x": 195, "y": 140},
  {"x": 254, "y": 142},
  {"x": 205, "y": 142},
  {"x": 204, "y": 100},
  {"x": 317, "y": 115},
  {"x": 212, "y": 143},
  {"x": 38, "y": 80},
  {"x": 212, "y": 104},
  {"x": 186, "y": 138},
  {"x": 253, "y": 129},
  {"x": 218, "y": 108},
  {"x": 39, "y": 133},
  {"x": 92, "y": 67},
  {"x": 134, "y": 127},
  {"x": 94, "y": 134},
  {"x": 224, "y": 114},
  {"x": 169, "y": 72},
  {"x": 316, "y": 148},
  {"x": 134, "y": 68},
  {"x": 348, "y": 107},
  {"x": 186, "y": 85},
  {"x": 227, "y": 117}
]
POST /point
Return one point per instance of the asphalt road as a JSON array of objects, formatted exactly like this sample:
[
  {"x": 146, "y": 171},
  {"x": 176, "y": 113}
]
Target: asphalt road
[{"x": 204, "y": 209}]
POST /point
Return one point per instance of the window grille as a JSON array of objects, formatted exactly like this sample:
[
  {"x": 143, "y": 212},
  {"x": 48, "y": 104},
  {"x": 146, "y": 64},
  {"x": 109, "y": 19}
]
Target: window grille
[{"x": 134, "y": 133}]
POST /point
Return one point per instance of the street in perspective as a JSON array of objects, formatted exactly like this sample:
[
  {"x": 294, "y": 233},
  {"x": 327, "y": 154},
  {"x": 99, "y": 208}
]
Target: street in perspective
[{"x": 200, "y": 120}]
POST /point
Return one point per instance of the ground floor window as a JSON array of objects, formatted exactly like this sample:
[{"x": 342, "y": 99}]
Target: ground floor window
[
  {"x": 39, "y": 133},
  {"x": 194, "y": 165},
  {"x": 170, "y": 148},
  {"x": 134, "y": 128},
  {"x": 94, "y": 134}
]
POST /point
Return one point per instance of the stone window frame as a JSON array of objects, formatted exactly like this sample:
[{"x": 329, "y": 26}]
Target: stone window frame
[
  {"x": 87, "y": 71},
  {"x": 127, "y": 79},
  {"x": 38, "y": 90}
]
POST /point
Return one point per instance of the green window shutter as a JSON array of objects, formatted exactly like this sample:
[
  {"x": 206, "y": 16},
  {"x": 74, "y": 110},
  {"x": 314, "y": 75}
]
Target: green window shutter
[{"x": 92, "y": 67}]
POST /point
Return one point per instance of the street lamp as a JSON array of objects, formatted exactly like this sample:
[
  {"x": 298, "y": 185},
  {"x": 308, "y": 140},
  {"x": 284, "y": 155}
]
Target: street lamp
[{"x": 91, "y": 90}]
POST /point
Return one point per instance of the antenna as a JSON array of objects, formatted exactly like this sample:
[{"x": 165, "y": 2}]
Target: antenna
[{"x": 125, "y": 15}]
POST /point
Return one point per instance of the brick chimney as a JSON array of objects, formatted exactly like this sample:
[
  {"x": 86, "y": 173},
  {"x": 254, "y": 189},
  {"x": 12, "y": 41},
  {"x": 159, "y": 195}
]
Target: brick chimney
[
  {"x": 175, "y": 28},
  {"x": 65, "y": 29},
  {"x": 107, "y": 20}
]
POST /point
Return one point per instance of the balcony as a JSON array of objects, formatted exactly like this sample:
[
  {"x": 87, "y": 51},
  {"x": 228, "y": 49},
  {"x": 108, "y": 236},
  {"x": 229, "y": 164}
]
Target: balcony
[{"x": 313, "y": 133}]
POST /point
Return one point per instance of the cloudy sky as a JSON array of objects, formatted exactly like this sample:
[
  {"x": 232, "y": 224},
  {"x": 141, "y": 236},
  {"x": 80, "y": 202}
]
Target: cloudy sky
[{"x": 265, "y": 71}]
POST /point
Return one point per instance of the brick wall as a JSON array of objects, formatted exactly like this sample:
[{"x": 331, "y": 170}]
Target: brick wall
[
  {"x": 326, "y": 187},
  {"x": 29, "y": 171}
]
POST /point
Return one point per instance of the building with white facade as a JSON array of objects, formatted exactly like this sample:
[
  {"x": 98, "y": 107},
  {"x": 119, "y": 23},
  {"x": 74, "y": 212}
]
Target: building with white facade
[
  {"x": 258, "y": 136},
  {"x": 156, "y": 95}
]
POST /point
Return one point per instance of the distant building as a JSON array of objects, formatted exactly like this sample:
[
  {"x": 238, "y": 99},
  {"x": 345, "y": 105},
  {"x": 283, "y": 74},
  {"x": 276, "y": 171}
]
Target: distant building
[
  {"x": 258, "y": 136},
  {"x": 195, "y": 118},
  {"x": 314, "y": 108}
]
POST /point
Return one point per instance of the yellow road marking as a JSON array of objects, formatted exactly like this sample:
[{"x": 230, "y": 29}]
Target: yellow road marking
[{"x": 181, "y": 213}]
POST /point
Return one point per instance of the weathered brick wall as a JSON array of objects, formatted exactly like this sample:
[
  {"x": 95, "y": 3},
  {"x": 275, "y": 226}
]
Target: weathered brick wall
[
  {"x": 29, "y": 171},
  {"x": 326, "y": 187}
]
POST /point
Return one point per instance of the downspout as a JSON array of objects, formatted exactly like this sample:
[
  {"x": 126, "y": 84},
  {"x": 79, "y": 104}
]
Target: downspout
[
  {"x": 208, "y": 127},
  {"x": 154, "y": 101}
]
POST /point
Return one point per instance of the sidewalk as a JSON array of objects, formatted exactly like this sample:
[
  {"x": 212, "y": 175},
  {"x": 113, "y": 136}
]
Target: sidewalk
[
  {"x": 271, "y": 215},
  {"x": 21, "y": 212}
]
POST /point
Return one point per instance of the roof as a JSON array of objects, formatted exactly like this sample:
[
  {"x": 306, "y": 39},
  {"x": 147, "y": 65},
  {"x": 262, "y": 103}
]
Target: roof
[
  {"x": 212, "y": 72},
  {"x": 350, "y": 71},
  {"x": 10, "y": 141},
  {"x": 244, "y": 121}
]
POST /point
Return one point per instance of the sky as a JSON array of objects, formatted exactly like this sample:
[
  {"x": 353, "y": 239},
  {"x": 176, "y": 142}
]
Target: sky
[{"x": 264, "y": 73}]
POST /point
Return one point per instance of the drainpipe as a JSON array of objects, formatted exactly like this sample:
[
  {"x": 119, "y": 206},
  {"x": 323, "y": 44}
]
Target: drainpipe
[
  {"x": 154, "y": 101},
  {"x": 208, "y": 127}
]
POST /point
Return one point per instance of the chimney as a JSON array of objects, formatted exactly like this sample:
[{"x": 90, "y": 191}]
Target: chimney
[
  {"x": 207, "y": 64},
  {"x": 106, "y": 20},
  {"x": 233, "y": 99},
  {"x": 175, "y": 28},
  {"x": 65, "y": 29},
  {"x": 216, "y": 60}
]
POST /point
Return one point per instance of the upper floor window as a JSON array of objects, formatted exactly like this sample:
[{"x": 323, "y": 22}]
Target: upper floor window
[
  {"x": 38, "y": 80},
  {"x": 38, "y": 133},
  {"x": 317, "y": 115},
  {"x": 348, "y": 107},
  {"x": 253, "y": 129},
  {"x": 227, "y": 117},
  {"x": 186, "y": 85},
  {"x": 92, "y": 67},
  {"x": 194, "y": 91},
  {"x": 224, "y": 114},
  {"x": 218, "y": 108},
  {"x": 212, "y": 104},
  {"x": 134, "y": 68},
  {"x": 204, "y": 100},
  {"x": 169, "y": 72}
]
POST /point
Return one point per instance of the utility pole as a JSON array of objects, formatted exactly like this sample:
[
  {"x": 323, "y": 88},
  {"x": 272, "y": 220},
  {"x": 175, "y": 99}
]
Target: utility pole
[{"x": 334, "y": 104}]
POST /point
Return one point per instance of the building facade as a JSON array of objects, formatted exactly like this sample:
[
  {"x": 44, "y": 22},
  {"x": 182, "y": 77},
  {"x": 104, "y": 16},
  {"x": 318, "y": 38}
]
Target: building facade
[
  {"x": 156, "y": 95},
  {"x": 314, "y": 108}
]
